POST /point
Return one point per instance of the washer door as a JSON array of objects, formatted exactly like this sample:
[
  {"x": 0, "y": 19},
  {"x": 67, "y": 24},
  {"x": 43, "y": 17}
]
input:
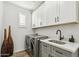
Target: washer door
[{"x": 32, "y": 47}]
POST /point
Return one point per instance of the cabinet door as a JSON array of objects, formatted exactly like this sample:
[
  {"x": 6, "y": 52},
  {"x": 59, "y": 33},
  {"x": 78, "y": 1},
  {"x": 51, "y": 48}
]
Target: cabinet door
[
  {"x": 36, "y": 19},
  {"x": 48, "y": 13},
  {"x": 67, "y": 11},
  {"x": 52, "y": 51},
  {"x": 38, "y": 16},
  {"x": 51, "y": 12},
  {"x": 41, "y": 15},
  {"x": 45, "y": 50}
]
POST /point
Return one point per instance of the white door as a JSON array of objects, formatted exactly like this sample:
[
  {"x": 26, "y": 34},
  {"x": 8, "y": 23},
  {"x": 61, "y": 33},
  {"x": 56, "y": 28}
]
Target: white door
[{"x": 67, "y": 11}]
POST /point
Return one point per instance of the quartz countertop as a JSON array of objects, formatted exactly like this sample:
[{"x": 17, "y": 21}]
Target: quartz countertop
[{"x": 69, "y": 46}]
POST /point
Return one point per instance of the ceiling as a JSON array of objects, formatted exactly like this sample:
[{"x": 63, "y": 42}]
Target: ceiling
[{"x": 30, "y": 5}]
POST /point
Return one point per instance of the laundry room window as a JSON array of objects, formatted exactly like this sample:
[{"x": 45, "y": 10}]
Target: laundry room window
[{"x": 22, "y": 18}]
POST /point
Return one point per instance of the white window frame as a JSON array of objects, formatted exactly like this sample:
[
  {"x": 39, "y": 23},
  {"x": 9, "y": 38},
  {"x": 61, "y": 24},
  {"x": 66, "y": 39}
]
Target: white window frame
[{"x": 22, "y": 20}]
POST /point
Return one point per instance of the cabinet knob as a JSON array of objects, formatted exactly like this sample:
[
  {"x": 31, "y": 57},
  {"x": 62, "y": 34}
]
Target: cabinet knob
[{"x": 59, "y": 52}]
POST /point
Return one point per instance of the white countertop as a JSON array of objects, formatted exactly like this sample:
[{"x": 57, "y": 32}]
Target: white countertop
[{"x": 69, "y": 46}]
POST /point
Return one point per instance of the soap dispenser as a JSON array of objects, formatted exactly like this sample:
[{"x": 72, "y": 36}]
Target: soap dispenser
[{"x": 71, "y": 39}]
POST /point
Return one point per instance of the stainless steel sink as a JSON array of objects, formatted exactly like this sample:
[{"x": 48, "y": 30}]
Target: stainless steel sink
[{"x": 58, "y": 42}]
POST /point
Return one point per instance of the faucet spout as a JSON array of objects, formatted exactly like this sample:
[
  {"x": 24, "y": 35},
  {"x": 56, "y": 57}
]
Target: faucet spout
[{"x": 60, "y": 34}]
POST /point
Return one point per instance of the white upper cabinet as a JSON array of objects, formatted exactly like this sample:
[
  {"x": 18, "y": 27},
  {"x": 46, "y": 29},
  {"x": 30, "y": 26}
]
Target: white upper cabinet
[
  {"x": 37, "y": 17},
  {"x": 51, "y": 12},
  {"x": 42, "y": 15},
  {"x": 45, "y": 15},
  {"x": 67, "y": 11},
  {"x": 55, "y": 13},
  {"x": 34, "y": 21}
]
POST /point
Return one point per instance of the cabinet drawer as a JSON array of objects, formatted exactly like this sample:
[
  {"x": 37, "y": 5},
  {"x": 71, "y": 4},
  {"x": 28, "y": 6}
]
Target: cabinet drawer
[
  {"x": 59, "y": 51},
  {"x": 45, "y": 45},
  {"x": 58, "y": 55}
]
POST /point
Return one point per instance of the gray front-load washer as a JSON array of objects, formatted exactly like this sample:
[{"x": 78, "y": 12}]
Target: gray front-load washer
[{"x": 34, "y": 42}]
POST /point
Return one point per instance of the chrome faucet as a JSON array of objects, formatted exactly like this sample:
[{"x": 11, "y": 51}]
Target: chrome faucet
[{"x": 60, "y": 34}]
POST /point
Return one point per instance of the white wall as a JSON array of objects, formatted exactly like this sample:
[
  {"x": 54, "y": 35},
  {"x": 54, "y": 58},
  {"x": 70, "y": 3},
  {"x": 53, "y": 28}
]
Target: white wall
[
  {"x": 11, "y": 17},
  {"x": 1, "y": 18},
  {"x": 67, "y": 31}
]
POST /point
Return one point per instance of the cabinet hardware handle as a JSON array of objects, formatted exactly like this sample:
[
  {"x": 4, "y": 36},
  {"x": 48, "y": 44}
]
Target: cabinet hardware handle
[
  {"x": 44, "y": 45},
  {"x": 50, "y": 55},
  {"x": 55, "y": 19},
  {"x": 59, "y": 52},
  {"x": 40, "y": 23}
]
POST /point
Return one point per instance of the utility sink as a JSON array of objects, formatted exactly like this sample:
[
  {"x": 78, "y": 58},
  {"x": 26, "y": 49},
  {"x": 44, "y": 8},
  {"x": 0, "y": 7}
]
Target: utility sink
[{"x": 58, "y": 42}]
